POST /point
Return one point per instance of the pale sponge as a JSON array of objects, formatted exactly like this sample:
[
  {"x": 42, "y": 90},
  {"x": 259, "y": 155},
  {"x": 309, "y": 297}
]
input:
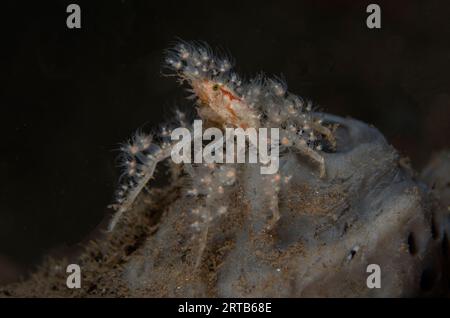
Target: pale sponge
[{"x": 368, "y": 210}]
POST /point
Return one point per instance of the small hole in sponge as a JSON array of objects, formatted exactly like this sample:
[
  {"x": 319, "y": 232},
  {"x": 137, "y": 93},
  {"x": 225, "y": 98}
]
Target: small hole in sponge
[
  {"x": 445, "y": 245},
  {"x": 427, "y": 279},
  {"x": 352, "y": 253},
  {"x": 412, "y": 244},
  {"x": 434, "y": 231}
]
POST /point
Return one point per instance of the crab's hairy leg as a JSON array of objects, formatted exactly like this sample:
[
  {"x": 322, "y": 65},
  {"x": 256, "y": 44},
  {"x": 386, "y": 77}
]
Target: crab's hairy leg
[
  {"x": 273, "y": 203},
  {"x": 324, "y": 131},
  {"x": 303, "y": 148},
  {"x": 203, "y": 240},
  {"x": 205, "y": 228},
  {"x": 272, "y": 192},
  {"x": 212, "y": 185},
  {"x": 147, "y": 172}
]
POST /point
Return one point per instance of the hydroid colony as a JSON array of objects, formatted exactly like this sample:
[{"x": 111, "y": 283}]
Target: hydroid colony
[{"x": 224, "y": 100}]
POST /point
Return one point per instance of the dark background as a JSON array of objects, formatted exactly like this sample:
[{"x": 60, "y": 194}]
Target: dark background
[{"x": 69, "y": 96}]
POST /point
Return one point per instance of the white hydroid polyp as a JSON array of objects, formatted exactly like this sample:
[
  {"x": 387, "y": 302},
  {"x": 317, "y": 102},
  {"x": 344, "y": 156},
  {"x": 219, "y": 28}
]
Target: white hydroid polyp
[{"x": 259, "y": 146}]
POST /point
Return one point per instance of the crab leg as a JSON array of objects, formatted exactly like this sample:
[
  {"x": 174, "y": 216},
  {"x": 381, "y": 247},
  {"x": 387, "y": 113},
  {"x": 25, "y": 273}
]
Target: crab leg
[
  {"x": 324, "y": 131},
  {"x": 132, "y": 195},
  {"x": 303, "y": 148}
]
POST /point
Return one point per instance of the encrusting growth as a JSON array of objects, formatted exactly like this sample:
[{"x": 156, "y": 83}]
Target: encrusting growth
[{"x": 224, "y": 100}]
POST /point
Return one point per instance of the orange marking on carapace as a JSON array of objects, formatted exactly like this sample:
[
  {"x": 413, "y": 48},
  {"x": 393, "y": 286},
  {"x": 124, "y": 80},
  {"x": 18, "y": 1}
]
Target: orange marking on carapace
[
  {"x": 231, "y": 97},
  {"x": 231, "y": 110},
  {"x": 229, "y": 94}
]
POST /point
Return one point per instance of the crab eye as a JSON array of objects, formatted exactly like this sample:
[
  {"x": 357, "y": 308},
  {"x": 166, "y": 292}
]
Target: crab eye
[{"x": 215, "y": 87}]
